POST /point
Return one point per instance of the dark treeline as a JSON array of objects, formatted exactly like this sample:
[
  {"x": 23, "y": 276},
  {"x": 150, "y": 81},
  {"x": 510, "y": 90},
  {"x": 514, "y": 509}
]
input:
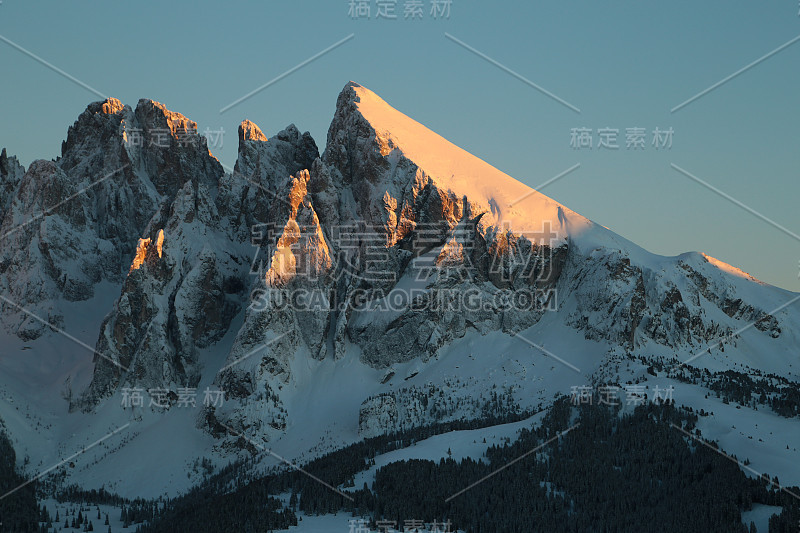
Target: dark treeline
[
  {"x": 614, "y": 473},
  {"x": 74, "y": 493},
  {"x": 752, "y": 389},
  {"x": 18, "y": 510},
  {"x": 611, "y": 474},
  {"x": 203, "y": 508}
]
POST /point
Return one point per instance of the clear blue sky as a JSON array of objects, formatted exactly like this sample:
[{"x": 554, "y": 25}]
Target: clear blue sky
[{"x": 623, "y": 63}]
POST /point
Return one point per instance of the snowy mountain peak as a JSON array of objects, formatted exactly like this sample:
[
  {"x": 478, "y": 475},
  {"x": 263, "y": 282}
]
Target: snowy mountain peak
[
  {"x": 499, "y": 199},
  {"x": 248, "y": 131},
  {"x": 10, "y": 169},
  {"x": 156, "y": 114},
  {"x": 109, "y": 106},
  {"x": 730, "y": 269},
  {"x": 11, "y": 173}
]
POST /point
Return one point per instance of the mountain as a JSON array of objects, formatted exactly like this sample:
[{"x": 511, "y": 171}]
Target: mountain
[
  {"x": 392, "y": 282},
  {"x": 71, "y": 223}
]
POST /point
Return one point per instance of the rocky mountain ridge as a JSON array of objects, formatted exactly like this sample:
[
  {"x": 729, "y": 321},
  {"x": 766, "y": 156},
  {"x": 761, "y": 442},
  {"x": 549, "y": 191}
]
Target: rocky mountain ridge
[{"x": 392, "y": 243}]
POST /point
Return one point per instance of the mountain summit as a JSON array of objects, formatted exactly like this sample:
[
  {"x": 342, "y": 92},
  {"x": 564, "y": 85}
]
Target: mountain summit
[{"x": 449, "y": 168}]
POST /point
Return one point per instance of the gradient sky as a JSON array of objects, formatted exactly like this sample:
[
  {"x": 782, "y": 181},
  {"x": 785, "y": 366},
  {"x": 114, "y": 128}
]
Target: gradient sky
[{"x": 624, "y": 64}]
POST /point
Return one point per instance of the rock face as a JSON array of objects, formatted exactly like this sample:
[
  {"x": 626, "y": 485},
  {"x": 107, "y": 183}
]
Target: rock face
[
  {"x": 443, "y": 241},
  {"x": 190, "y": 276},
  {"x": 74, "y": 222},
  {"x": 11, "y": 173},
  {"x": 392, "y": 244}
]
